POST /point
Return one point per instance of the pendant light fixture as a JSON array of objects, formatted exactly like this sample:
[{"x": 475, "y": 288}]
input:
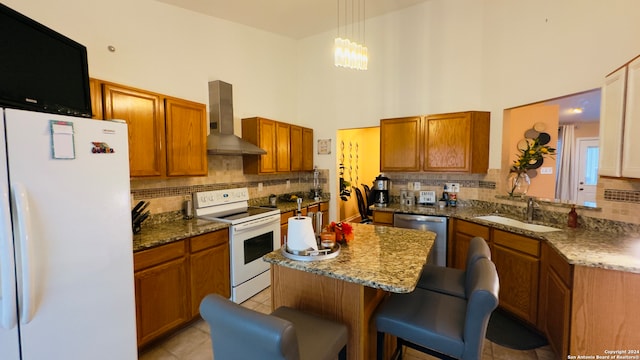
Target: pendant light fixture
[{"x": 349, "y": 53}]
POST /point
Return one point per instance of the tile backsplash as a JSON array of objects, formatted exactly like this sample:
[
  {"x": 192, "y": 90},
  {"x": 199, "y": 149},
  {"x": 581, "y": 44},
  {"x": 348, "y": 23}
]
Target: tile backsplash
[
  {"x": 168, "y": 195},
  {"x": 617, "y": 199}
]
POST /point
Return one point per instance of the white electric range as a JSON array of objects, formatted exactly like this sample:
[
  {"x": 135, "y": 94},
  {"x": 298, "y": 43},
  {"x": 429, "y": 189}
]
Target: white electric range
[{"x": 253, "y": 232}]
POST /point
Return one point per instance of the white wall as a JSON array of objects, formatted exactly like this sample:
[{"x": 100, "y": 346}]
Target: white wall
[
  {"x": 455, "y": 55},
  {"x": 176, "y": 52},
  {"x": 438, "y": 56}
]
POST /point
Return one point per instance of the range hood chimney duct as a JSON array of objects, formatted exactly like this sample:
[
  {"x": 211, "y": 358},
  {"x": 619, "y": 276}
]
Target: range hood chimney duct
[{"x": 221, "y": 140}]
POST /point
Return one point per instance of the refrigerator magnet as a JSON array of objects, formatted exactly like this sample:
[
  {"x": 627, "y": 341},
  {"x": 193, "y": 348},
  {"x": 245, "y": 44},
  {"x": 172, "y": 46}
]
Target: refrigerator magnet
[{"x": 62, "y": 144}]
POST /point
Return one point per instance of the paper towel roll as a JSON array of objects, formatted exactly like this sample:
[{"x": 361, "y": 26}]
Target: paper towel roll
[{"x": 300, "y": 235}]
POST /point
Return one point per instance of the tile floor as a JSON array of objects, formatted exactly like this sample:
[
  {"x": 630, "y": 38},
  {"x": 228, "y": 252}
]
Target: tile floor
[{"x": 194, "y": 343}]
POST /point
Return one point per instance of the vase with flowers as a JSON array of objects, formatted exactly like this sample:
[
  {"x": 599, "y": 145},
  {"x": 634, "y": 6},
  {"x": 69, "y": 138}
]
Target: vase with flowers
[
  {"x": 344, "y": 231},
  {"x": 530, "y": 157}
]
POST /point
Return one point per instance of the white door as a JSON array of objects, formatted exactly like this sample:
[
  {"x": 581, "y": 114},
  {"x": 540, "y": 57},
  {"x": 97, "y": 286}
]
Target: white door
[
  {"x": 76, "y": 283},
  {"x": 587, "y": 164},
  {"x": 9, "y": 340}
]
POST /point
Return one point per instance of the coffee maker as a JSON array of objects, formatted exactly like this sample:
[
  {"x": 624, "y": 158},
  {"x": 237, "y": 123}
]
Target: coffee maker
[{"x": 381, "y": 191}]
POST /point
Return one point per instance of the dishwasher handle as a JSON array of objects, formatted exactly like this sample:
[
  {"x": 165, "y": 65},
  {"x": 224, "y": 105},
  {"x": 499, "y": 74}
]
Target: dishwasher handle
[{"x": 418, "y": 218}]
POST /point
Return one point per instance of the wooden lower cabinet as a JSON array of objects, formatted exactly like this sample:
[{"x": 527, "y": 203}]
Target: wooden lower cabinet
[
  {"x": 161, "y": 300},
  {"x": 209, "y": 267},
  {"x": 517, "y": 260},
  {"x": 458, "y": 247},
  {"x": 554, "y": 305},
  {"x": 382, "y": 218},
  {"x": 172, "y": 279}
]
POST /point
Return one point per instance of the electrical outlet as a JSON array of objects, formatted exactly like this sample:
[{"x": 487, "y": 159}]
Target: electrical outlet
[
  {"x": 288, "y": 184},
  {"x": 410, "y": 185},
  {"x": 546, "y": 170},
  {"x": 259, "y": 187},
  {"x": 416, "y": 185},
  {"x": 453, "y": 187}
]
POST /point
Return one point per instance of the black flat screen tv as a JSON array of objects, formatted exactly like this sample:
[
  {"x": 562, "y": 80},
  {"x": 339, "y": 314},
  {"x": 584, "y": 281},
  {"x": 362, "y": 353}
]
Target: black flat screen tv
[{"x": 41, "y": 69}]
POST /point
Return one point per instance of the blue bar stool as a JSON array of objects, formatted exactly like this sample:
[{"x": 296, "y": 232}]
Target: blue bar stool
[
  {"x": 241, "y": 333},
  {"x": 441, "y": 325},
  {"x": 449, "y": 280}
]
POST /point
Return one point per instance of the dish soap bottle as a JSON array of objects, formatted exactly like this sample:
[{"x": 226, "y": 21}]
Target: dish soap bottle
[{"x": 573, "y": 217}]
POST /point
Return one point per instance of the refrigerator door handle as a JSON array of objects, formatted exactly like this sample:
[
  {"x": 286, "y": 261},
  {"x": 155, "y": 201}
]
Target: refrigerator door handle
[
  {"x": 7, "y": 277},
  {"x": 24, "y": 250}
]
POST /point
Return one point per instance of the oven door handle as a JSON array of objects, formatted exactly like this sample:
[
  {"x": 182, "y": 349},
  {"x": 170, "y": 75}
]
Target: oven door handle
[{"x": 255, "y": 223}]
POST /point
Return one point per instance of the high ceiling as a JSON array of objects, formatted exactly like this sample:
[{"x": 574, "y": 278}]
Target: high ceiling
[{"x": 296, "y": 19}]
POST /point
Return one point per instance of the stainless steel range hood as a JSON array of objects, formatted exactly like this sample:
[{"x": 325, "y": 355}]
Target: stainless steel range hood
[{"x": 221, "y": 140}]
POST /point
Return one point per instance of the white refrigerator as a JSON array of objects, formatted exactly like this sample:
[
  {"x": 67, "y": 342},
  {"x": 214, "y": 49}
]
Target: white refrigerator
[{"x": 66, "y": 259}]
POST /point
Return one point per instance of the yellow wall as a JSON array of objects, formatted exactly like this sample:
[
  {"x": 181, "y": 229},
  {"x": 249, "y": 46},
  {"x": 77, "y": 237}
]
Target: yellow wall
[{"x": 361, "y": 154}]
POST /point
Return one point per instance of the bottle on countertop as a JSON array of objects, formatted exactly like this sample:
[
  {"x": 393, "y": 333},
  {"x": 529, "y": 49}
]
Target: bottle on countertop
[
  {"x": 445, "y": 196},
  {"x": 573, "y": 217}
]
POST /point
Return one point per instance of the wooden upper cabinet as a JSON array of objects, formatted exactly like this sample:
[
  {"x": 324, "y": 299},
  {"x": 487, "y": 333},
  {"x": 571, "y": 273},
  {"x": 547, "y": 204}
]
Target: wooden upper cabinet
[
  {"x": 260, "y": 132},
  {"x": 95, "y": 88},
  {"x": 296, "y": 148},
  {"x": 457, "y": 142},
  {"x": 167, "y": 136},
  {"x": 307, "y": 149},
  {"x": 283, "y": 147},
  {"x": 289, "y": 147},
  {"x": 301, "y": 148},
  {"x": 400, "y": 144},
  {"x": 186, "y": 133},
  {"x": 144, "y": 114}
]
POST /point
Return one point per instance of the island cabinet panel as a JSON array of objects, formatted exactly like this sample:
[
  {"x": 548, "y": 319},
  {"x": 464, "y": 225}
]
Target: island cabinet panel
[
  {"x": 160, "y": 279},
  {"x": 554, "y": 306},
  {"x": 458, "y": 247},
  {"x": 400, "y": 144},
  {"x": 186, "y": 133},
  {"x": 605, "y": 314},
  {"x": 517, "y": 260},
  {"x": 209, "y": 267},
  {"x": 345, "y": 302}
]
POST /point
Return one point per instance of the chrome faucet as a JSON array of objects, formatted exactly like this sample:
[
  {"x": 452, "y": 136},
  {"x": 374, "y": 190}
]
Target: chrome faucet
[{"x": 530, "y": 206}]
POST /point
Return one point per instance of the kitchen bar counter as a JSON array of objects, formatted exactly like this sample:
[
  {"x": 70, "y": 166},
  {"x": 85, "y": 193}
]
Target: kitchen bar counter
[
  {"x": 585, "y": 247},
  {"x": 349, "y": 288},
  {"x": 153, "y": 235},
  {"x": 379, "y": 257}
]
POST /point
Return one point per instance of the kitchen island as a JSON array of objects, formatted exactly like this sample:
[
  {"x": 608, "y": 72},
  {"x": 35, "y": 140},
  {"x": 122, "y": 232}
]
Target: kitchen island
[{"x": 349, "y": 288}]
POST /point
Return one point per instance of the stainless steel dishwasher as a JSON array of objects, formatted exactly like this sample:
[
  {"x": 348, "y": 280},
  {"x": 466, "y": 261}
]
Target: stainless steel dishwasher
[{"x": 437, "y": 224}]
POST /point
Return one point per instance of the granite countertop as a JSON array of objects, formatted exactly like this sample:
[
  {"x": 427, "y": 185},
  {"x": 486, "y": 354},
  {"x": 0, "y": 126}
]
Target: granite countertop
[
  {"x": 163, "y": 233},
  {"x": 584, "y": 247},
  {"x": 380, "y": 257}
]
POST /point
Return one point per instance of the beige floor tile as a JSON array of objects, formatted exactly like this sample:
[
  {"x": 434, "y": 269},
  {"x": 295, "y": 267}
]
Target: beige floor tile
[
  {"x": 546, "y": 353},
  {"x": 182, "y": 343},
  {"x": 202, "y": 325},
  {"x": 157, "y": 353},
  {"x": 504, "y": 353},
  {"x": 263, "y": 297},
  {"x": 203, "y": 351}
]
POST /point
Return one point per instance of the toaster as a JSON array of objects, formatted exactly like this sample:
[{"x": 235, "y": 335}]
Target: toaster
[{"x": 426, "y": 197}]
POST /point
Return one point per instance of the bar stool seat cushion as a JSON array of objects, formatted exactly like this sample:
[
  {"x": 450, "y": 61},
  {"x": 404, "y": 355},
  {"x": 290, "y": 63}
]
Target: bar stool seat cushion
[
  {"x": 439, "y": 324},
  {"x": 442, "y": 279},
  {"x": 318, "y": 338}
]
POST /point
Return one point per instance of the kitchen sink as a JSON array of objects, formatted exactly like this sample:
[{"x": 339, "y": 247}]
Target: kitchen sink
[{"x": 516, "y": 223}]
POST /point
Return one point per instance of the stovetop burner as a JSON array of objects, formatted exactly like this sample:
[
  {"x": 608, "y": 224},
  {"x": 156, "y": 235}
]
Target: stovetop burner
[{"x": 229, "y": 205}]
